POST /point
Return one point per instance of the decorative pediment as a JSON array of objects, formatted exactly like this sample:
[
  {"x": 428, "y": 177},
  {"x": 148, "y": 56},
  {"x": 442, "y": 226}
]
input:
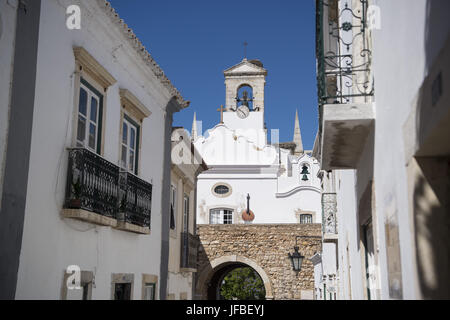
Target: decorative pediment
[
  {"x": 92, "y": 67},
  {"x": 133, "y": 105},
  {"x": 246, "y": 67}
]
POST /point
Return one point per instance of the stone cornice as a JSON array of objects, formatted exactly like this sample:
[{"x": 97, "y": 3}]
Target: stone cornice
[{"x": 142, "y": 52}]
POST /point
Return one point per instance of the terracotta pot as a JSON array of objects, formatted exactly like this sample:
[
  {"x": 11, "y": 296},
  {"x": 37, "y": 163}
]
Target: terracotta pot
[
  {"x": 75, "y": 203},
  {"x": 250, "y": 216}
]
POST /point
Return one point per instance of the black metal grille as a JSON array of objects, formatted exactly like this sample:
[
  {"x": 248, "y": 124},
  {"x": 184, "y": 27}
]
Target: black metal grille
[
  {"x": 136, "y": 199},
  {"x": 92, "y": 183},
  {"x": 343, "y": 72},
  {"x": 189, "y": 247},
  {"x": 97, "y": 185}
]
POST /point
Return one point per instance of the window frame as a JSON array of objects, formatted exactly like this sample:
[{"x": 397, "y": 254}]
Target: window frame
[
  {"x": 222, "y": 218},
  {"x": 91, "y": 92},
  {"x": 185, "y": 213},
  {"x": 137, "y": 145},
  {"x": 307, "y": 216}
]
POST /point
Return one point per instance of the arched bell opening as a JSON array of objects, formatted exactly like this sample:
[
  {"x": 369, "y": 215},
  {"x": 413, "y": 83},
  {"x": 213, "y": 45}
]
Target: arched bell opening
[{"x": 244, "y": 96}]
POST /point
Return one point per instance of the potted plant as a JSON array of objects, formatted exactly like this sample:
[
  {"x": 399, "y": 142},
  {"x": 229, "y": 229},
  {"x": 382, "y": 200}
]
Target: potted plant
[{"x": 75, "y": 201}]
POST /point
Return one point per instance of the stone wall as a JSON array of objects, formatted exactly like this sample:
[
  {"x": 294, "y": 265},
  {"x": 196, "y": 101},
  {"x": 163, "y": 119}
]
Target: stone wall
[{"x": 265, "y": 248}]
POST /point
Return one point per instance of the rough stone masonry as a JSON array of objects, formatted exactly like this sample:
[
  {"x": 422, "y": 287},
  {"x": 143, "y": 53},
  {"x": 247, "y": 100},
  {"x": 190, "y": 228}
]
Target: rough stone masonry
[{"x": 266, "y": 246}]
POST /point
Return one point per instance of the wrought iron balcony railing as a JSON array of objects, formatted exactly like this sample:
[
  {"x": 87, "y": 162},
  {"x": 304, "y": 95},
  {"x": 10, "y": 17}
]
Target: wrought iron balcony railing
[
  {"x": 189, "y": 248},
  {"x": 136, "y": 199},
  {"x": 343, "y": 51},
  {"x": 97, "y": 185},
  {"x": 92, "y": 183}
]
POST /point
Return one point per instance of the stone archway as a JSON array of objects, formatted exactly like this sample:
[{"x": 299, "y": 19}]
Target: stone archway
[
  {"x": 211, "y": 275},
  {"x": 265, "y": 249}
]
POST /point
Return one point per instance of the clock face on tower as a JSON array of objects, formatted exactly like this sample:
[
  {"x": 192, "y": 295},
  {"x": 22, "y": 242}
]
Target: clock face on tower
[{"x": 243, "y": 112}]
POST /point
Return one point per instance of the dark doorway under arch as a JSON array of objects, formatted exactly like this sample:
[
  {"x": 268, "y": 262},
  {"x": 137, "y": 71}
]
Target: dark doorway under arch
[{"x": 219, "y": 278}]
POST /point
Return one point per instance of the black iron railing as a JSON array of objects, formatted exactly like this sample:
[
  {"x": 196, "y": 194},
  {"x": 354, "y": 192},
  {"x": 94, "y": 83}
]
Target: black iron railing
[
  {"x": 135, "y": 199},
  {"x": 189, "y": 248},
  {"x": 97, "y": 185},
  {"x": 92, "y": 183},
  {"x": 343, "y": 51}
]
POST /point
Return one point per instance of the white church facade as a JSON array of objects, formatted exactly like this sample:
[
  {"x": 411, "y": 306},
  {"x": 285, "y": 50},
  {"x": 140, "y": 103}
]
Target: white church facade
[{"x": 250, "y": 180}]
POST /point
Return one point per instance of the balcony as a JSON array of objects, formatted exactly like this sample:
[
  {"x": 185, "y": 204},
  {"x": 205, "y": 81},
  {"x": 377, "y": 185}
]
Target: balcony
[
  {"x": 99, "y": 193},
  {"x": 135, "y": 204},
  {"x": 189, "y": 248},
  {"x": 344, "y": 80}
]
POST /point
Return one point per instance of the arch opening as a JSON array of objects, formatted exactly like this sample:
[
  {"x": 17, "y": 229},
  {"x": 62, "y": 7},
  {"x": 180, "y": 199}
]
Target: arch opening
[
  {"x": 236, "y": 281},
  {"x": 211, "y": 277},
  {"x": 244, "y": 96}
]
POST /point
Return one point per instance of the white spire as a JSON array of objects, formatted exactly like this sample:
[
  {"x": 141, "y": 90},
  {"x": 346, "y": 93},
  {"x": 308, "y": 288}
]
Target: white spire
[
  {"x": 194, "y": 132},
  {"x": 297, "y": 136}
]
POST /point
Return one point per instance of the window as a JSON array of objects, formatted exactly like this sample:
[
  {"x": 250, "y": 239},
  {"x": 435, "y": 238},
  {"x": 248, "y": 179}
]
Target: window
[
  {"x": 149, "y": 291},
  {"x": 306, "y": 218},
  {"x": 89, "y": 117},
  {"x": 129, "y": 145},
  {"x": 122, "y": 291},
  {"x": 173, "y": 197},
  {"x": 221, "y": 216},
  {"x": 186, "y": 213},
  {"x": 221, "y": 189}
]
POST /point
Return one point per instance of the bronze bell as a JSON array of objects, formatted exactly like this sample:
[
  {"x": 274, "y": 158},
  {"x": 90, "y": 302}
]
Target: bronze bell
[{"x": 304, "y": 173}]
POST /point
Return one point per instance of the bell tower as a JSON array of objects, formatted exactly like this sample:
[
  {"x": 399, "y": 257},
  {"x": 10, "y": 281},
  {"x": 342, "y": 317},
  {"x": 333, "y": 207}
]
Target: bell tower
[
  {"x": 244, "y": 100},
  {"x": 249, "y": 75}
]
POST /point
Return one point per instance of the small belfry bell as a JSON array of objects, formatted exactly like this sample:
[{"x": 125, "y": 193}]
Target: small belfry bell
[{"x": 304, "y": 172}]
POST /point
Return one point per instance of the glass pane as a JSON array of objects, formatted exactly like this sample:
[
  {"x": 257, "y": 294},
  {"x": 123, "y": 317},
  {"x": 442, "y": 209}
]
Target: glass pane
[
  {"x": 131, "y": 163},
  {"x": 124, "y": 157},
  {"x": 92, "y": 133},
  {"x": 94, "y": 109},
  {"x": 82, "y": 107},
  {"x": 125, "y": 133},
  {"x": 221, "y": 189},
  {"x": 215, "y": 217},
  {"x": 132, "y": 138},
  {"x": 81, "y": 133}
]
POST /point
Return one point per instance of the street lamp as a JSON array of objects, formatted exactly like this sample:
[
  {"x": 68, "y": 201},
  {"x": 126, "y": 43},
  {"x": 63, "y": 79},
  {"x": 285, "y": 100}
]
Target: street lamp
[{"x": 296, "y": 259}]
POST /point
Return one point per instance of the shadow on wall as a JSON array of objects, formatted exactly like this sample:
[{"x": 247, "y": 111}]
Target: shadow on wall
[
  {"x": 432, "y": 231},
  {"x": 432, "y": 169}
]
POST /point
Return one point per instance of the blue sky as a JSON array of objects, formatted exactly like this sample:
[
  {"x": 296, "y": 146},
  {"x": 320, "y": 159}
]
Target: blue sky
[{"x": 194, "y": 41}]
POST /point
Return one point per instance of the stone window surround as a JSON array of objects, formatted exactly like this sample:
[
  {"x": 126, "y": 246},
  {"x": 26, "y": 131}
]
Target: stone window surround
[
  {"x": 97, "y": 76},
  {"x": 122, "y": 278},
  {"x": 230, "y": 190},
  {"x": 133, "y": 108},
  {"x": 299, "y": 212},
  {"x": 87, "y": 277},
  {"x": 149, "y": 278}
]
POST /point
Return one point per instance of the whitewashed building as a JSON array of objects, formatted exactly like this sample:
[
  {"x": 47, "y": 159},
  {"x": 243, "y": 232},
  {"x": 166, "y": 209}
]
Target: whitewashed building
[
  {"x": 86, "y": 121},
  {"x": 276, "y": 183},
  {"x": 383, "y": 143}
]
